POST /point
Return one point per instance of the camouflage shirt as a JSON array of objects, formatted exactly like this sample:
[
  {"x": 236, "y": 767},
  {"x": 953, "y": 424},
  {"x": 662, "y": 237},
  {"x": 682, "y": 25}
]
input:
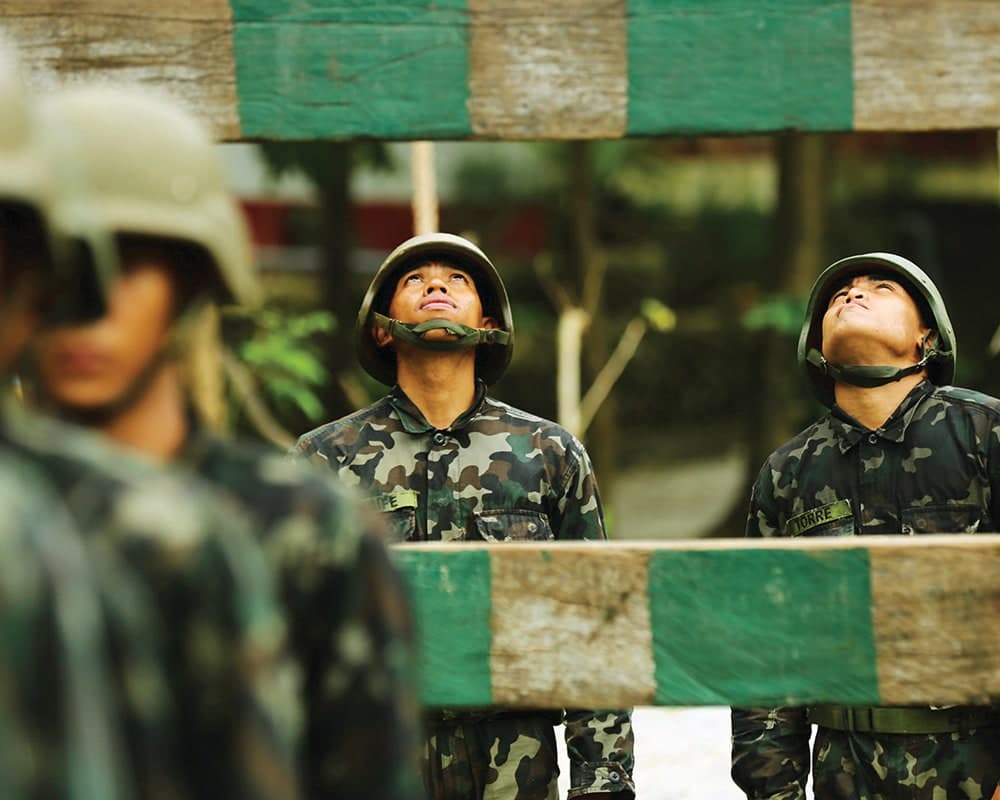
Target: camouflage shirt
[
  {"x": 58, "y": 733},
  {"x": 348, "y": 616},
  {"x": 933, "y": 467},
  {"x": 220, "y": 637},
  {"x": 496, "y": 474}
]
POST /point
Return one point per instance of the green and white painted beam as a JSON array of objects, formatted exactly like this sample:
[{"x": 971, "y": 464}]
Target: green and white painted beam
[
  {"x": 863, "y": 620},
  {"x": 524, "y": 69}
]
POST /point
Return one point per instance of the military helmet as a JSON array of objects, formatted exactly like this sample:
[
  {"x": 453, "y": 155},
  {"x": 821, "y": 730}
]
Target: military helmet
[
  {"x": 939, "y": 358},
  {"x": 39, "y": 192},
  {"x": 27, "y": 182},
  {"x": 149, "y": 168},
  {"x": 494, "y": 347}
]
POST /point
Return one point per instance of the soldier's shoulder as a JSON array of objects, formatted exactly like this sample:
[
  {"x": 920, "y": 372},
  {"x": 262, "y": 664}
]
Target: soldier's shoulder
[
  {"x": 514, "y": 416},
  {"x": 338, "y": 431},
  {"x": 969, "y": 399}
]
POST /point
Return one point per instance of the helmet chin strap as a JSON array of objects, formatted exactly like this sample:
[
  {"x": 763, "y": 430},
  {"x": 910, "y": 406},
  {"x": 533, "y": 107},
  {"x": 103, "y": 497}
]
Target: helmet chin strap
[
  {"x": 868, "y": 377},
  {"x": 465, "y": 336}
]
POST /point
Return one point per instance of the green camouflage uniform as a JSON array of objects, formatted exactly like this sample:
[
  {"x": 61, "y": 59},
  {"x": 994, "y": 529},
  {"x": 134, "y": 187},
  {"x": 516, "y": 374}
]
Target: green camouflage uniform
[
  {"x": 348, "y": 617},
  {"x": 58, "y": 734},
  {"x": 497, "y": 474},
  {"x": 215, "y": 631},
  {"x": 933, "y": 467}
]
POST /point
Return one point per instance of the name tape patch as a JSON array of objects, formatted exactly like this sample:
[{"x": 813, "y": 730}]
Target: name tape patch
[
  {"x": 401, "y": 498},
  {"x": 815, "y": 517}
]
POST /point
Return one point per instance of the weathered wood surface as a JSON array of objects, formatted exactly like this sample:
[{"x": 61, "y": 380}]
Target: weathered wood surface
[
  {"x": 869, "y": 620},
  {"x": 460, "y": 69}
]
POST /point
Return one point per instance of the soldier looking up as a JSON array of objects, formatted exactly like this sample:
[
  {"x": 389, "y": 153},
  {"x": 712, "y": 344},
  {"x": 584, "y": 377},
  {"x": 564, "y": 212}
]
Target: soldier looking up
[
  {"x": 154, "y": 182},
  {"x": 445, "y": 462},
  {"x": 899, "y": 452}
]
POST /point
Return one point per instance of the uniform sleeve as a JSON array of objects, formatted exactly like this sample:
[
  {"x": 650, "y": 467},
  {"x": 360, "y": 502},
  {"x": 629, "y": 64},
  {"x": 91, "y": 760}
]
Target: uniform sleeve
[
  {"x": 231, "y": 682},
  {"x": 770, "y": 746},
  {"x": 579, "y": 511},
  {"x": 600, "y": 747},
  {"x": 352, "y": 628},
  {"x": 993, "y": 458},
  {"x": 771, "y": 752}
]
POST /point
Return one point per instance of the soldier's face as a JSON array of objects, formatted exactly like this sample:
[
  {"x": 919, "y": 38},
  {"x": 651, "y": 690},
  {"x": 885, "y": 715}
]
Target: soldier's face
[
  {"x": 872, "y": 319},
  {"x": 91, "y": 366},
  {"x": 437, "y": 291}
]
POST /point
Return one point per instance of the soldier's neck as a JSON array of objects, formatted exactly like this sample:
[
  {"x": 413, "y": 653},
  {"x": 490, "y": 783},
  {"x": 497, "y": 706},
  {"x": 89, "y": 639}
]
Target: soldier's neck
[
  {"x": 441, "y": 385},
  {"x": 872, "y": 407},
  {"x": 156, "y": 423}
]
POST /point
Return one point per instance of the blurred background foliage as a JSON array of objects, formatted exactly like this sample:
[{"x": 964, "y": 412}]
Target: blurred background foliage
[{"x": 726, "y": 234}]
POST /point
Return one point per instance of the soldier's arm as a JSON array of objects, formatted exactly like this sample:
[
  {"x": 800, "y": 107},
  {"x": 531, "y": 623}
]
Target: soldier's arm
[
  {"x": 231, "y": 683},
  {"x": 770, "y": 746},
  {"x": 770, "y": 752},
  {"x": 354, "y": 627},
  {"x": 579, "y": 513},
  {"x": 600, "y": 747}
]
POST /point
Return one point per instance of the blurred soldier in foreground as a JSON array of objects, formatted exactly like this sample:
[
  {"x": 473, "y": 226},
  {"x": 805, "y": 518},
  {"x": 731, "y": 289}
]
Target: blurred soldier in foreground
[
  {"x": 444, "y": 462},
  {"x": 160, "y": 682},
  {"x": 153, "y": 181},
  {"x": 900, "y": 451}
]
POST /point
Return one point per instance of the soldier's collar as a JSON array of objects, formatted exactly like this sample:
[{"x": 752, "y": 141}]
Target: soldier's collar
[
  {"x": 849, "y": 431},
  {"x": 413, "y": 419}
]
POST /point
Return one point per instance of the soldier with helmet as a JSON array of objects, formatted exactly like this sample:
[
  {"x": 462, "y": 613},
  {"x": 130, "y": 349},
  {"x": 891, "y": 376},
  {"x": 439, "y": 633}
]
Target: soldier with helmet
[
  {"x": 443, "y": 461},
  {"x": 900, "y": 451},
  {"x": 156, "y": 659},
  {"x": 153, "y": 181}
]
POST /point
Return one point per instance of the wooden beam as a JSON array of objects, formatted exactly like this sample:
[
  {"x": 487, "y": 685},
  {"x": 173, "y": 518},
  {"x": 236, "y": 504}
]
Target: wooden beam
[
  {"x": 866, "y": 620},
  {"x": 464, "y": 69}
]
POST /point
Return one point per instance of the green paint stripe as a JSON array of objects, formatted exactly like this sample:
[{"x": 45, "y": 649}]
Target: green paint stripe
[
  {"x": 452, "y": 602},
  {"x": 730, "y": 66},
  {"x": 342, "y": 68},
  {"x": 793, "y": 627}
]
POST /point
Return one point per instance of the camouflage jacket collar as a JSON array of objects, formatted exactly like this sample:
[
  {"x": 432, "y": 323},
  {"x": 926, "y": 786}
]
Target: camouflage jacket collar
[
  {"x": 849, "y": 431},
  {"x": 413, "y": 419}
]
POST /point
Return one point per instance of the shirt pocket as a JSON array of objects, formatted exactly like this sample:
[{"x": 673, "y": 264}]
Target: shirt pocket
[
  {"x": 513, "y": 526},
  {"x": 943, "y": 519}
]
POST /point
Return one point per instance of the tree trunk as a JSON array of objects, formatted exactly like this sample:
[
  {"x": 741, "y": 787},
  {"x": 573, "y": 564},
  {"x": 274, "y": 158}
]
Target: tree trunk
[
  {"x": 777, "y": 408},
  {"x": 335, "y": 281}
]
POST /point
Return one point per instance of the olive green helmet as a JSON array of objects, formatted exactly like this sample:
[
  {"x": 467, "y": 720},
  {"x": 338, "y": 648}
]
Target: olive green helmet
[
  {"x": 939, "y": 356},
  {"x": 495, "y": 346},
  {"x": 149, "y": 168}
]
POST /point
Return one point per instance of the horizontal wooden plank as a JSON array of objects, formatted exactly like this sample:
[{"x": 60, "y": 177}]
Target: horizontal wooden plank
[
  {"x": 183, "y": 47},
  {"x": 867, "y": 620},
  {"x": 460, "y": 69}
]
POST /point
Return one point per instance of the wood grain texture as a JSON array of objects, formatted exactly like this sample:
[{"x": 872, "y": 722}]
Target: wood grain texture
[
  {"x": 890, "y": 619},
  {"x": 571, "y": 623},
  {"x": 936, "y": 607},
  {"x": 553, "y": 70},
  {"x": 183, "y": 47},
  {"x": 926, "y": 64},
  {"x": 460, "y": 69}
]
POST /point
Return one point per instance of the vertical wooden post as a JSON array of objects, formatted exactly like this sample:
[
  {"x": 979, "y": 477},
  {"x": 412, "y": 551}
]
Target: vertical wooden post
[{"x": 425, "y": 200}]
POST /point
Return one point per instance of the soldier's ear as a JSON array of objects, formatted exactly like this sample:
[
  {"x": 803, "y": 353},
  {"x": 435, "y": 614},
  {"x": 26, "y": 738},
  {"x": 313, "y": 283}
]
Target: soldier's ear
[
  {"x": 381, "y": 336},
  {"x": 489, "y": 323}
]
